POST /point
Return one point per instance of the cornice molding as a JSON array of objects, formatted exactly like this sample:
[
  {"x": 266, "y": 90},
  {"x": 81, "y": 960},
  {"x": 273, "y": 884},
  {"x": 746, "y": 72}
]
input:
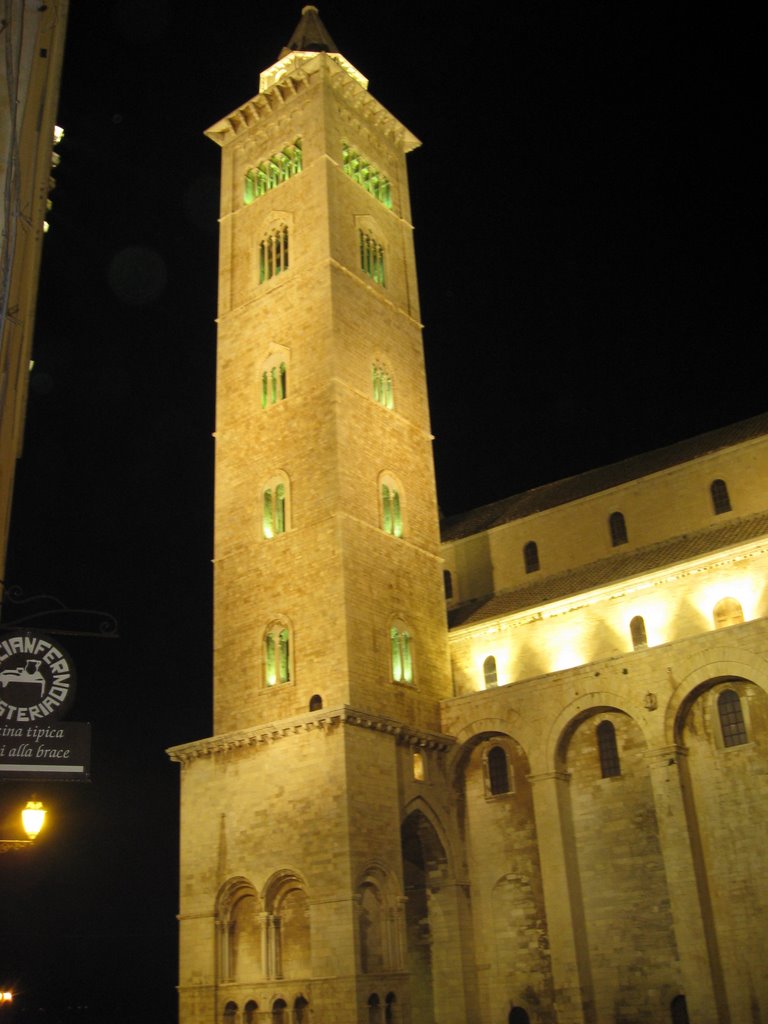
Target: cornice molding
[{"x": 270, "y": 732}]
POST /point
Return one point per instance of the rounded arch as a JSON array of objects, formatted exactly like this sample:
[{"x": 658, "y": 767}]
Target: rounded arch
[
  {"x": 230, "y": 892},
  {"x": 478, "y": 731},
  {"x": 279, "y": 883},
  {"x": 573, "y": 714},
  {"x": 713, "y": 666}
]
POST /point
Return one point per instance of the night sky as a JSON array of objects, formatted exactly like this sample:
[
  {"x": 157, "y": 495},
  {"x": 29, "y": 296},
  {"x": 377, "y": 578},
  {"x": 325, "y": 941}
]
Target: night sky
[{"x": 587, "y": 204}]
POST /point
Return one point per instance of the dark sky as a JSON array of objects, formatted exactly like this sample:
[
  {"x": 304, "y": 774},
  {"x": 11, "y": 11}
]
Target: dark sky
[{"x": 586, "y": 204}]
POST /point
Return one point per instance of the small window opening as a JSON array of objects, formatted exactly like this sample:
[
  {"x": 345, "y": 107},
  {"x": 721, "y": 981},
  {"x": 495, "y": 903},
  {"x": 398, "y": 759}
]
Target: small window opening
[
  {"x": 371, "y": 257},
  {"x": 727, "y": 612},
  {"x": 250, "y": 1014},
  {"x": 490, "y": 674},
  {"x": 498, "y": 771},
  {"x": 392, "y": 518},
  {"x": 418, "y": 766},
  {"x": 678, "y": 1010},
  {"x": 390, "y": 1007},
  {"x": 383, "y": 389},
  {"x": 273, "y": 254},
  {"x": 732, "y": 723},
  {"x": 273, "y": 517},
  {"x": 448, "y": 584},
  {"x": 401, "y": 656},
  {"x": 721, "y": 501},
  {"x": 618, "y": 528},
  {"x": 531, "y": 557},
  {"x": 610, "y": 765},
  {"x": 277, "y": 660},
  {"x": 637, "y": 630},
  {"x": 315, "y": 702}
]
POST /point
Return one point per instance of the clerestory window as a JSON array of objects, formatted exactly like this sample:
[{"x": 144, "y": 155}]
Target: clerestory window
[
  {"x": 490, "y": 672},
  {"x": 531, "y": 557},
  {"x": 638, "y": 633},
  {"x": 272, "y": 172},
  {"x": 277, "y": 655},
  {"x": 273, "y": 253},
  {"x": 371, "y": 257},
  {"x": 618, "y": 527},
  {"x": 721, "y": 501}
]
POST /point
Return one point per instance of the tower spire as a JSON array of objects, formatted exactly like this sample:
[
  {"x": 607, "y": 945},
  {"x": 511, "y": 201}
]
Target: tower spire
[{"x": 309, "y": 35}]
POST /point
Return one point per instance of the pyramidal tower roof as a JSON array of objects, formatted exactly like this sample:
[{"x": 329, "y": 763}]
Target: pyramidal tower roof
[
  {"x": 309, "y": 38},
  {"x": 310, "y": 35}
]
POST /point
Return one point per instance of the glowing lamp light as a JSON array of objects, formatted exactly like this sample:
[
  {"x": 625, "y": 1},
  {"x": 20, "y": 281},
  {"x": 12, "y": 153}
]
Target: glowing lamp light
[
  {"x": 33, "y": 818},
  {"x": 6, "y": 997}
]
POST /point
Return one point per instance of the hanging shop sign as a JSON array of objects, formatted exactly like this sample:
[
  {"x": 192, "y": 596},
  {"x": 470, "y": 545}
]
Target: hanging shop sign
[{"x": 37, "y": 687}]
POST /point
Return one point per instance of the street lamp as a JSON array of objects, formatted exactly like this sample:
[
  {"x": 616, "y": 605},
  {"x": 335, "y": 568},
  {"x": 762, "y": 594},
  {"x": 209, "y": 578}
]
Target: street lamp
[{"x": 32, "y": 821}]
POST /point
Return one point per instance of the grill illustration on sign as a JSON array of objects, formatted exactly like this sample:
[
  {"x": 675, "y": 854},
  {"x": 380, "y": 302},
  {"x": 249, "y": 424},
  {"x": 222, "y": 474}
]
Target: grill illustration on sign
[{"x": 29, "y": 673}]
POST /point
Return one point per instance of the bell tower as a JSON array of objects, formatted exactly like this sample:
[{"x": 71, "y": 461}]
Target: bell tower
[{"x": 330, "y": 634}]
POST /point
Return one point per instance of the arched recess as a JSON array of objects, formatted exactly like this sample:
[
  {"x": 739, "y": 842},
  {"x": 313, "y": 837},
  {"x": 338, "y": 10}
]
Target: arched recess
[
  {"x": 725, "y": 777},
  {"x": 379, "y": 921},
  {"x": 502, "y": 845},
  {"x": 437, "y": 919},
  {"x": 611, "y": 828},
  {"x": 289, "y": 952},
  {"x": 239, "y": 931},
  {"x": 573, "y": 714}
]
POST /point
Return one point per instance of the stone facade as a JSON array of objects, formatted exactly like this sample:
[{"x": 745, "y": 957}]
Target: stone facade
[{"x": 552, "y": 808}]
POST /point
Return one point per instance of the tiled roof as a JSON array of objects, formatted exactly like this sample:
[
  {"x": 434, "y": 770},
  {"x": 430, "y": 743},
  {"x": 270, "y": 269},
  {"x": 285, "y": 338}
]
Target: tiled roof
[
  {"x": 562, "y": 491},
  {"x": 625, "y": 565}
]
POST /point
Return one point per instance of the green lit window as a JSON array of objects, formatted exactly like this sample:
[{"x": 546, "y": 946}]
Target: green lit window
[
  {"x": 273, "y": 172},
  {"x": 273, "y": 253},
  {"x": 277, "y": 656},
  {"x": 371, "y": 257},
  {"x": 273, "y": 515},
  {"x": 383, "y": 390},
  {"x": 401, "y": 655},
  {"x": 391, "y": 512},
  {"x": 372, "y": 180},
  {"x": 274, "y": 384}
]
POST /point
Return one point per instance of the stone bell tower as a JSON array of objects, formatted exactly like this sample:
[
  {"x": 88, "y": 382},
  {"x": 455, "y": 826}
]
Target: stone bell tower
[{"x": 330, "y": 636}]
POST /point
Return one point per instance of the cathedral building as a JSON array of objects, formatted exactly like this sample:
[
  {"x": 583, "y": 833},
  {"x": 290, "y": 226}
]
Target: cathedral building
[{"x": 513, "y": 773}]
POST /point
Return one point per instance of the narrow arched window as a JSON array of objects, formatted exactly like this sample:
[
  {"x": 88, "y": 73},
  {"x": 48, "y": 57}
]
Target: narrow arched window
[
  {"x": 277, "y": 656},
  {"x": 517, "y": 1015},
  {"x": 374, "y": 1009},
  {"x": 390, "y": 1006},
  {"x": 315, "y": 702},
  {"x": 273, "y": 253},
  {"x": 498, "y": 771},
  {"x": 637, "y": 629},
  {"x": 608, "y": 750},
  {"x": 230, "y": 1013},
  {"x": 391, "y": 510},
  {"x": 401, "y": 655},
  {"x": 279, "y": 1012},
  {"x": 490, "y": 675},
  {"x": 383, "y": 388},
  {"x": 418, "y": 766},
  {"x": 274, "y": 510},
  {"x": 371, "y": 257},
  {"x": 531, "y": 557},
  {"x": 727, "y": 612},
  {"x": 678, "y": 1010},
  {"x": 618, "y": 528},
  {"x": 250, "y": 1012},
  {"x": 732, "y": 723},
  {"x": 721, "y": 501}
]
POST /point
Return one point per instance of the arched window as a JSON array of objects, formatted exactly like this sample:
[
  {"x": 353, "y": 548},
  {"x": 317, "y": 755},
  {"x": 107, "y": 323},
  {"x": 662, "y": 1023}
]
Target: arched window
[
  {"x": 230, "y": 1013},
  {"x": 279, "y": 1012},
  {"x": 531, "y": 557},
  {"x": 721, "y": 501},
  {"x": 374, "y": 1009},
  {"x": 490, "y": 674},
  {"x": 277, "y": 655},
  {"x": 517, "y": 1015},
  {"x": 300, "y": 1010},
  {"x": 383, "y": 388},
  {"x": 448, "y": 584},
  {"x": 418, "y": 766},
  {"x": 274, "y": 382},
  {"x": 401, "y": 655},
  {"x": 273, "y": 253},
  {"x": 273, "y": 172},
  {"x": 608, "y": 750},
  {"x": 390, "y": 1007},
  {"x": 732, "y": 723},
  {"x": 250, "y": 1012},
  {"x": 315, "y": 702},
  {"x": 727, "y": 612},
  {"x": 371, "y": 257},
  {"x": 274, "y": 508},
  {"x": 678, "y": 1010},
  {"x": 498, "y": 771},
  {"x": 618, "y": 528},
  {"x": 391, "y": 508},
  {"x": 637, "y": 630}
]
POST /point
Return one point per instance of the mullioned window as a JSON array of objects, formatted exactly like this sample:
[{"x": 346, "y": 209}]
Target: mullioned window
[
  {"x": 272, "y": 172},
  {"x": 371, "y": 179}
]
